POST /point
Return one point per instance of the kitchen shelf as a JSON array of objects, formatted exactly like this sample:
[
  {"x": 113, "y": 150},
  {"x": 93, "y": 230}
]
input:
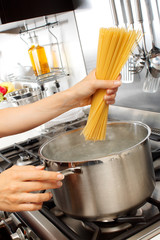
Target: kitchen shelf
[
  {"x": 52, "y": 76},
  {"x": 58, "y": 71},
  {"x": 48, "y": 77},
  {"x": 47, "y": 24}
]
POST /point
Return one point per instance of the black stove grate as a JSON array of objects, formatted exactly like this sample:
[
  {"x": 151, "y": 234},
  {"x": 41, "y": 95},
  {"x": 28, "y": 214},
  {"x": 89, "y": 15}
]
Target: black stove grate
[
  {"x": 138, "y": 223},
  {"x": 10, "y": 155}
]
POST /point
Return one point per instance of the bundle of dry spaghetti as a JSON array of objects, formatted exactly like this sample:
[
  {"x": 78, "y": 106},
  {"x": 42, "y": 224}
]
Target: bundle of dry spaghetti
[{"x": 114, "y": 48}]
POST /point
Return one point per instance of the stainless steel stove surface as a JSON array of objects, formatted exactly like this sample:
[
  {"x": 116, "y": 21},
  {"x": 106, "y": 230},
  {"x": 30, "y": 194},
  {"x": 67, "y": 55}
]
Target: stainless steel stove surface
[{"x": 51, "y": 224}]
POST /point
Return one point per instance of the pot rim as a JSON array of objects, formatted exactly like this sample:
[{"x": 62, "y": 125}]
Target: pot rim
[{"x": 108, "y": 155}]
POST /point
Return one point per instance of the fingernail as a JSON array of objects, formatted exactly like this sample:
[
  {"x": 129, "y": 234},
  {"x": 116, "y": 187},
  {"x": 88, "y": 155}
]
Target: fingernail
[
  {"x": 105, "y": 97},
  {"x": 109, "y": 91},
  {"x": 50, "y": 194},
  {"x": 110, "y": 102},
  {"x": 40, "y": 167},
  {"x": 60, "y": 176},
  {"x": 119, "y": 76},
  {"x": 59, "y": 183},
  {"x": 117, "y": 83}
]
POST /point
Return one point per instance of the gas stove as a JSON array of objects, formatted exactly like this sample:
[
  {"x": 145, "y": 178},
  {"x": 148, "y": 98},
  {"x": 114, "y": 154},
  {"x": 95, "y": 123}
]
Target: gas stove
[{"x": 50, "y": 223}]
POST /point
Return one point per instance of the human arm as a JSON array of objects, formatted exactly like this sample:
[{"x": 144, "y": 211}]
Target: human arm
[{"x": 19, "y": 119}]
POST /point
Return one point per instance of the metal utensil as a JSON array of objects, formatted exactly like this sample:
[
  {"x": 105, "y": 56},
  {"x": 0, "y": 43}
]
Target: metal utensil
[
  {"x": 157, "y": 5},
  {"x": 114, "y": 13},
  {"x": 123, "y": 13},
  {"x": 140, "y": 20},
  {"x": 116, "y": 23},
  {"x": 131, "y": 22},
  {"x": 139, "y": 59},
  {"x": 126, "y": 76},
  {"x": 154, "y": 54},
  {"x": 151, "y": 84}
]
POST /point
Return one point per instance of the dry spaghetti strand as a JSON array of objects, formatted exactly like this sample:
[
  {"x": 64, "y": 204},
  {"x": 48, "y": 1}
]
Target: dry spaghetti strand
[{"x": 114, "y": 48}]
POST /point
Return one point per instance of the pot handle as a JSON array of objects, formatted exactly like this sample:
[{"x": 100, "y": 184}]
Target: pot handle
[{"x": 70, "y": 171}]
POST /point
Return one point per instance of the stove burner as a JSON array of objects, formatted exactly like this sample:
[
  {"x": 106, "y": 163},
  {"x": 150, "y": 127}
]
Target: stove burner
[
  {"x": 24, "y": 159},
  {"x": 113, "y": 227},
  {"x": 119, "y": 224},
  {"x": 57, "y": 212}
]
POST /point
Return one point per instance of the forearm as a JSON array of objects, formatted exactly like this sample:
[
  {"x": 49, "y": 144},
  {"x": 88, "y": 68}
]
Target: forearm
[{"x": 23, "y": 118}]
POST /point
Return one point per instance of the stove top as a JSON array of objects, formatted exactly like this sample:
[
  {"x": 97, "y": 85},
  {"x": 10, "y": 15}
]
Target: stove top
[
  {"x": 50, "y": 223},
  {"x": 26, "y": 152}
]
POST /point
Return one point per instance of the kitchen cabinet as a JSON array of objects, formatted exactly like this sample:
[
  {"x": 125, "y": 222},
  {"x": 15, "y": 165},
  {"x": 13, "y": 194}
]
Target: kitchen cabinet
[{"x": 17, "y": 10}]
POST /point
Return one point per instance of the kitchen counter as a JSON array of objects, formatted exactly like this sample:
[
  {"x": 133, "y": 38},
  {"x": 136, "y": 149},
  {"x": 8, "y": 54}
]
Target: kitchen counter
[
  {"x": 71, "y": 115},
  {"x": 10, "y": 140}
]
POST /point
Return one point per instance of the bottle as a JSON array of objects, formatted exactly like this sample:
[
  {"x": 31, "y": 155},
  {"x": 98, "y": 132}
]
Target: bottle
[
  {"x": 40, "y": 58},
  {"x": 30, "y": 52},
  {"x": 54, "y": 58}
]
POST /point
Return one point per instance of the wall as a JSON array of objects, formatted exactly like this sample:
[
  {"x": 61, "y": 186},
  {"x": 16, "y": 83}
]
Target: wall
[
  {"x": 98, "y": 14},
  {"x": 14, "y": 49}
]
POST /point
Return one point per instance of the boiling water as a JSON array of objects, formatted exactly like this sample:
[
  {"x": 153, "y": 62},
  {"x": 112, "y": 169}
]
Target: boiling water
[{"x": 71, "y": 147}]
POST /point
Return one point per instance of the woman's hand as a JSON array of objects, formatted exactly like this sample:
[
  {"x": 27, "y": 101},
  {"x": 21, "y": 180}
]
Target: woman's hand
[
  {"x": 82, "y": 92},
  {"x": 18, "y": 183}
]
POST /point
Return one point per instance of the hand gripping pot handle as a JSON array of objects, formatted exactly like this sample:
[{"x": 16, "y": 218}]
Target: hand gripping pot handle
[{"x": 70, "y": 171}]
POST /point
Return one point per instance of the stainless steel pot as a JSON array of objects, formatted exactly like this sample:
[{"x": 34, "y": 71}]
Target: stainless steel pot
[
  {"x": 104, "y": 179},
  {"x": 24, "y": 96}
]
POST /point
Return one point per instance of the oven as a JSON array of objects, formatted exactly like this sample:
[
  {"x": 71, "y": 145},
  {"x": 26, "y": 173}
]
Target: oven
[{"x": 50, "y": 223}]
